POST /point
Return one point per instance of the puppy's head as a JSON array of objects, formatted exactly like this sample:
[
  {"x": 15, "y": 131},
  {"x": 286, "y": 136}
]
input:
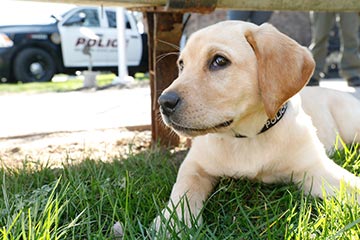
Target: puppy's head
[{"x": 231, "y": 71}]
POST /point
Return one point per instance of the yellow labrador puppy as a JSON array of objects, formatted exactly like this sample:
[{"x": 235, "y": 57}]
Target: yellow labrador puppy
[
  {"x": 236, "y": 93},
  {"x": 333, "y": 113}
]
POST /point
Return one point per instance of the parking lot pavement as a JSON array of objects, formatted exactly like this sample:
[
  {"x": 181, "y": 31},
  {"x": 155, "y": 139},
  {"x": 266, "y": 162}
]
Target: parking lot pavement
[{"x": 26, "y": 114}]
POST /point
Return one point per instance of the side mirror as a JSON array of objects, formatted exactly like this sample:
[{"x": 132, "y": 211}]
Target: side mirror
[{"x": 76, "y": 19}]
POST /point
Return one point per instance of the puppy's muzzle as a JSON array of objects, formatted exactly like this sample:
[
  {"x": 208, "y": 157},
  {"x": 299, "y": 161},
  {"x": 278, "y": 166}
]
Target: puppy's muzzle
[{"x": 169, "y": 102}]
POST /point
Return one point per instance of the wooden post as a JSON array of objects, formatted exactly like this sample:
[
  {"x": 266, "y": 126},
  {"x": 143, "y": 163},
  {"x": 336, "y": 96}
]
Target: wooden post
[{"x": 165, "y": 30}]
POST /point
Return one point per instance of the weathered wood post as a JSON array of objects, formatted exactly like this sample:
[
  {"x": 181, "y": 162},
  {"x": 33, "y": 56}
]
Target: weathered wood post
[{"x": 165, "y": 30}]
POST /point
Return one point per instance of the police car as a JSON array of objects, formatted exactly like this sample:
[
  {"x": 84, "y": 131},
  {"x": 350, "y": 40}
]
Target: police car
[{"x": 34, "y": 53}]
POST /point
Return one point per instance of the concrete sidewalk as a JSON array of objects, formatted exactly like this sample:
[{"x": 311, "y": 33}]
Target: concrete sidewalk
[
  {"x": 27, "y": 114},
  {"x": 341, "y": 85}
]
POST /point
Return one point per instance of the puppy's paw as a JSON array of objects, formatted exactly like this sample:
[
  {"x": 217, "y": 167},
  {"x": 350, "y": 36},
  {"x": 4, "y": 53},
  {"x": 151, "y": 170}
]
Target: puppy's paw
[{"x": 173, "y": 220}]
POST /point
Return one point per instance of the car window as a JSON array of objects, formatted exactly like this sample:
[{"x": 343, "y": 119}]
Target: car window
[
  {"x": 111, "y": 16},
  {"x": 84, "y": 18}
]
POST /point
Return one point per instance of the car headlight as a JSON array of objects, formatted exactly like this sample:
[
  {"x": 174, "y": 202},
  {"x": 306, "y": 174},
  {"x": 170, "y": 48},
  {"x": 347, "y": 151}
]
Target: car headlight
[{"x": 5, "y": 41}]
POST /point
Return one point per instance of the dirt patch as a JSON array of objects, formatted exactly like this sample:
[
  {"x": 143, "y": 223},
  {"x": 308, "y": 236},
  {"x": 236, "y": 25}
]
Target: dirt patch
[{"x": 57, "y": 148}]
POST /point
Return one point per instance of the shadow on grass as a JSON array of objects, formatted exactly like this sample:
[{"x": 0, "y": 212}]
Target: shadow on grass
[{"x": 83, "y": 201}]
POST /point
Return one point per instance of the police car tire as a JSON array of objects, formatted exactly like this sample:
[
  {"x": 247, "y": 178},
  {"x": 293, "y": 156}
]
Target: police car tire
[{"x": 28, "y": 56}]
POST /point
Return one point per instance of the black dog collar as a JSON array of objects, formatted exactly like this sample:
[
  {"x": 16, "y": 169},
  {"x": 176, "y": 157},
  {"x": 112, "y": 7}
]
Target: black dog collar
[{"x": 270, "y": 122}]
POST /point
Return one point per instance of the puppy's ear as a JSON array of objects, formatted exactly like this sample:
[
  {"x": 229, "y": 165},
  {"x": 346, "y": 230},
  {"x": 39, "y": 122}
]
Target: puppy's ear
[{"x": 284, "y": 67}]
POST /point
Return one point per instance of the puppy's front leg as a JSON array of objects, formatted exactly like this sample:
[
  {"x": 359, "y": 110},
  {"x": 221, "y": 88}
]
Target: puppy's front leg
[{"x": 191, "y": 189}]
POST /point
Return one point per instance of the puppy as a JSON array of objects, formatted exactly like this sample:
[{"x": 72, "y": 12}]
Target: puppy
[
  {"x": 334, "y": 114},
  {"x": 237, "y": 94}
]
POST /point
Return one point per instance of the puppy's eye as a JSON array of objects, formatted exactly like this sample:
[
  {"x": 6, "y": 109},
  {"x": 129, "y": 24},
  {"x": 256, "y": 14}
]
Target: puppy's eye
[
  {"x": 219, "y": 62},
  {"x": 181, "y": 65}
]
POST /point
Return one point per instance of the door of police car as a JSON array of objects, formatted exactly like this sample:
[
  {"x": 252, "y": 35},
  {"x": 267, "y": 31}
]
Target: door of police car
[{"x": 94, "y": 29}]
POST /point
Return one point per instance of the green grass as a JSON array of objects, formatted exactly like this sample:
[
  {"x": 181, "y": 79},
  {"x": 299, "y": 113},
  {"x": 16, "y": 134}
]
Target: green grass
[
  {"x": 69, "y": 85},
  {"x": 83, "y": 201}
]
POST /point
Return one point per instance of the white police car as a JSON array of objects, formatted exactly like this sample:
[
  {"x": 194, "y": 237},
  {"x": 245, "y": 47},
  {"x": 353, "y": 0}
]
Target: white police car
[{"x": 34, "y": 53}]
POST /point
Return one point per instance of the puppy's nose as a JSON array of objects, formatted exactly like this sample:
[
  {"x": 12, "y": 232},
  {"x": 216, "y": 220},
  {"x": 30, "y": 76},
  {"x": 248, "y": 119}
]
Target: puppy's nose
[{"x": 168, "y": 102}]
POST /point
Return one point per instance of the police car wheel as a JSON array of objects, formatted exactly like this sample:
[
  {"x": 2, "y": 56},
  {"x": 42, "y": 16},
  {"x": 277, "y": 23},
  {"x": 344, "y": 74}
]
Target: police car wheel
[{"x": 34, "y": 65}]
